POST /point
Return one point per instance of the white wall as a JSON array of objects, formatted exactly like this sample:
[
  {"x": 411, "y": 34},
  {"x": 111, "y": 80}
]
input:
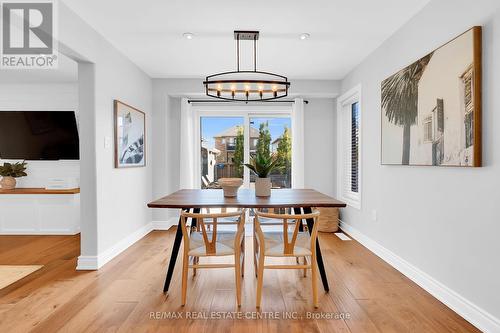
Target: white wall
[
  {"x": 298, "y": 88},
  {"x": 320, "y": 145},
  {"x": 42, "y": 97},
  {"x": 443, "y": 221},
  {"x": 39, "y": 96},
  {"x": 319, "y": 115},
  {"x": 166, "y": 153},
  {"x": 113, "y": 201}
]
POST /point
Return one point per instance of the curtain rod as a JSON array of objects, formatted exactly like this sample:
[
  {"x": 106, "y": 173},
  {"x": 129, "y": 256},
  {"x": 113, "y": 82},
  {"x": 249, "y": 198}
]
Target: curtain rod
[{"x": 215, "y": 101}]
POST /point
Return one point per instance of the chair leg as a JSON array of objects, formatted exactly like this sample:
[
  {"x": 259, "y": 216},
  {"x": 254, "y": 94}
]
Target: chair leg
[
  {"x": 237, "y": 274},
  {"x": 305, "y": 269},
  {"x": 260, "y": 279},
  {"x": 185, "y": 263},
  {"x": 314, "y": 278},
  {"x": 243, "y": 255},
  {"x": 255, "y": 249},
  {"x": 195, "y": 262}
]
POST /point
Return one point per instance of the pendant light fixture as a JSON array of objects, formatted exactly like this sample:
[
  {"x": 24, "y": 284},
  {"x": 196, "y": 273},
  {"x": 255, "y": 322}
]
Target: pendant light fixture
[{"x": 244, "y": 85}]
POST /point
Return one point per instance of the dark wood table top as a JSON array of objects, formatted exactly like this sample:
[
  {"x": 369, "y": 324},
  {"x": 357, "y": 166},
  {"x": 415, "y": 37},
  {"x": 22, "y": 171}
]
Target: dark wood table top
[{"x": 246, "y": 199}]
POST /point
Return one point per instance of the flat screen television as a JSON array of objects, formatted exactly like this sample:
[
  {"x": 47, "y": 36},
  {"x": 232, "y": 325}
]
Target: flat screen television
[{"x": 39, "y": 135}]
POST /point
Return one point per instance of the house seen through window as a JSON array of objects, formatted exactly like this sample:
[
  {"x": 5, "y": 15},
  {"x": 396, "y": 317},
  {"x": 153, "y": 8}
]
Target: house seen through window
[{"x": 224, "y": 148}]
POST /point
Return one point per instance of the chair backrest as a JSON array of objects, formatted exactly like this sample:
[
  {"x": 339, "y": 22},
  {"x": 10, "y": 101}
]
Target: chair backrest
[
  {"x": 289, "y": 242},
  {"x": 210, "y": 244}
]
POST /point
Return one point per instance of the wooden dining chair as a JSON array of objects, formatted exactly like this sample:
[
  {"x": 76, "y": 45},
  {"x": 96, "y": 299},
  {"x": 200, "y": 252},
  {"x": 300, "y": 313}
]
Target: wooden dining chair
[
  {"x": 226, "y": 221},
  {"x": 201, "y": 242},
  {"x": 292, "y": 241}
]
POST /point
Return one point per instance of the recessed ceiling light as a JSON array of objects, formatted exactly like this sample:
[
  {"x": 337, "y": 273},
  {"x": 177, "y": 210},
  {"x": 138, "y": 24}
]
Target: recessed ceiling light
[
  {"x": 188, "y": 35},
  {"x": 305, "y": 35}
]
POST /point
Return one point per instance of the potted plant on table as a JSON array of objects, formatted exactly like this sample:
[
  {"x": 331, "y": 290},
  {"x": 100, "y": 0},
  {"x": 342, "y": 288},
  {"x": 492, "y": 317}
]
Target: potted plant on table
[
  {"x": 9, "y": 173},
  {"x": 262, "y": 166}
]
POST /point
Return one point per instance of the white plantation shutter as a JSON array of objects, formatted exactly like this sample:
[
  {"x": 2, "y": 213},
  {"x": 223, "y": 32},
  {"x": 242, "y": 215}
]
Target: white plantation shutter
[
  {"x": 355, "y": 147},
  {"x": 349, "y": 180},
  {"x": 346, "y": 129}
]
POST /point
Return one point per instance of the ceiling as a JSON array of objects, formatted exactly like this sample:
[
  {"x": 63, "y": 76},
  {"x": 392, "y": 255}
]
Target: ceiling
[{"x": 342, "y": 33}]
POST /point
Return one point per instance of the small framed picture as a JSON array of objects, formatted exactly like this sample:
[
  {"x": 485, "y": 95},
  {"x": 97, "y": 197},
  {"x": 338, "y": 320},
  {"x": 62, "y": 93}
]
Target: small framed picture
[{"x": 130, "y": 136}]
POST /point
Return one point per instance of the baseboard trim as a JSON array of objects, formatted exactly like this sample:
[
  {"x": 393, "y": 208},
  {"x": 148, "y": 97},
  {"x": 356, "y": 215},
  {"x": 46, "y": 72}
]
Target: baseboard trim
[
  {"x": 468, "y": 310},
  {"x": 96, "y": 262},
  {"x": 165, "y": 225},
  {"x": 86, "y": 263}
]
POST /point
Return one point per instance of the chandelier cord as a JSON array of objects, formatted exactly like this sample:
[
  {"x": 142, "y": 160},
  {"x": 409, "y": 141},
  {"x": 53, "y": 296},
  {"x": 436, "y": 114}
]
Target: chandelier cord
[
  {"x": 255, "y": 53},
  {"x": 238, "y": 53}
]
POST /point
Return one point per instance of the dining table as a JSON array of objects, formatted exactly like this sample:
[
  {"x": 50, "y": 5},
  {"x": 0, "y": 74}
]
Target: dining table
[{"x": 302, "y": 201}]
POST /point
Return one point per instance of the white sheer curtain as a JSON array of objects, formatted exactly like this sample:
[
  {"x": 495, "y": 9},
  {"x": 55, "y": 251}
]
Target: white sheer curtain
[
  {"x": 298, "y": 143},
  {"x": 187, "y": 158}
]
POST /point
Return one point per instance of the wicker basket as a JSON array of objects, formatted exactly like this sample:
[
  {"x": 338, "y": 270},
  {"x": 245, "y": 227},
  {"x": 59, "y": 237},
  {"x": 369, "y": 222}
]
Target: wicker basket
[{"x": 328, "y": 219}]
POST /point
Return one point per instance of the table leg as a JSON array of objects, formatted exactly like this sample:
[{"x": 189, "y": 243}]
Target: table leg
[
  {"x": 298, "y": 211},
  {"x": 194, "y": 222},
  {"x": 175, "y": 251},
  {"x": 319, "y": 257}
]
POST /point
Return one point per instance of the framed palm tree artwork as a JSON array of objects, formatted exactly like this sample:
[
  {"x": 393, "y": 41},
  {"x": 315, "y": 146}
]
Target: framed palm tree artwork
[
  {"x": 130, "y": 133},
  {"x": 431, "y": 109}
]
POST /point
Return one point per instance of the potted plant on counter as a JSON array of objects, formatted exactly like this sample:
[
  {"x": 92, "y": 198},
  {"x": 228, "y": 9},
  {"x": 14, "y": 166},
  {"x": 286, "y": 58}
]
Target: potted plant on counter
[
  {"x": 9, "y": 173},
  {"x": 262, "y": 166}
]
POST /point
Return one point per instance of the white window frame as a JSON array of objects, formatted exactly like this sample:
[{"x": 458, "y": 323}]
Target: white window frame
[
  {"x": 245, "y": 112},
  {"x": 344, "y": 103}
]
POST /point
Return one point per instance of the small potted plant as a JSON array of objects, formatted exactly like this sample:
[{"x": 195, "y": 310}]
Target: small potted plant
[
  {"x": 9, "y": 173},
  {"x": 262, "y": 167}
]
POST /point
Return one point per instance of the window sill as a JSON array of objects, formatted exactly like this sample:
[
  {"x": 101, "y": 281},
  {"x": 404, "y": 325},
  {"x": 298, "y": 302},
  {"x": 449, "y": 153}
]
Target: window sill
[{"x": 352, "y": 203}]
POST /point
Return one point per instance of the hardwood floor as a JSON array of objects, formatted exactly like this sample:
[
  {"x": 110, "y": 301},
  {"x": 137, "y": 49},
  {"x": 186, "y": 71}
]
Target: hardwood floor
[{"x": 126, "y": 294}]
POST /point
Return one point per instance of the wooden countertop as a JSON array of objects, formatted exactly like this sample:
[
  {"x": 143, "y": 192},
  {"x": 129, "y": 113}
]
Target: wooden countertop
[{"x": 27, "y": 190}]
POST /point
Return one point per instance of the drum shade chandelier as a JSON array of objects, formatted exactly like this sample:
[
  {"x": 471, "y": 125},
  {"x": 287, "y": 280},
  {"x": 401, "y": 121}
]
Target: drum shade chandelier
[{"x": 246, "y": 86}]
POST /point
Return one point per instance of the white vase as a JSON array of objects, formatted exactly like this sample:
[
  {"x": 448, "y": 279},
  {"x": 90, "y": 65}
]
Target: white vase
[
  {"x": 230, "y": 186},
  {"x": 263, "y": 187},
  {"x": 8, "y": 183}
]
